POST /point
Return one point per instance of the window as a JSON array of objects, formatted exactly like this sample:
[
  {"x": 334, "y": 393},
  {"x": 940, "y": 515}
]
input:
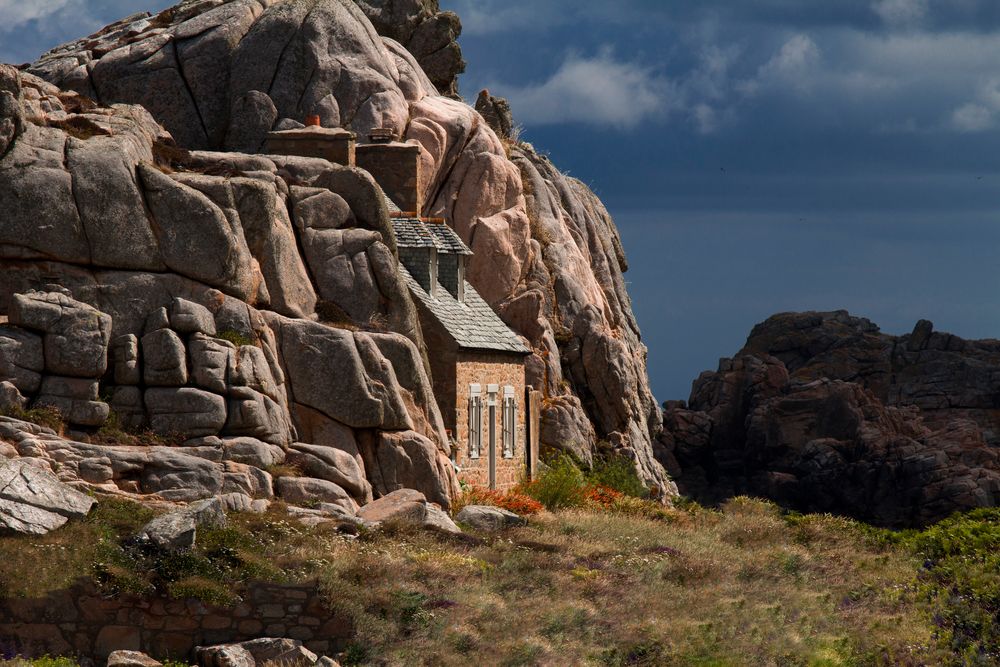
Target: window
[
  {"x": 509, "y": 417},
  {"x": 475, "y": 420}
]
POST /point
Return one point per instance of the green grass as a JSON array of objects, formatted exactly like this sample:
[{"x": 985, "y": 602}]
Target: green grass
[
  {"x": 46, "y": 416},
  {"x": 44, "y": 661}
]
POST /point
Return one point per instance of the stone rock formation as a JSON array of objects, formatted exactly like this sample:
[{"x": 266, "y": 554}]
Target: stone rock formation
[
  {"x": 33, "y": 501},
  {"x": 157, "y": 279},
  {"x": 488, "y": 518},
  {"x": 425, "y": 32},
  {"x": 823, "y": 412}
]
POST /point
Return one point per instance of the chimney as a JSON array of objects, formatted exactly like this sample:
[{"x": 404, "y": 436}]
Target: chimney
[
  {"x": 330, "y": 143},
  {"x": 395, "y": 166}
]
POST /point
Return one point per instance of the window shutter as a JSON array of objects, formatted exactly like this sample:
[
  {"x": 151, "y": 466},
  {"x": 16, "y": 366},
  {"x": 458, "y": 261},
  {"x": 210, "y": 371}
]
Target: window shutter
[{"x": 473, "y": 449}]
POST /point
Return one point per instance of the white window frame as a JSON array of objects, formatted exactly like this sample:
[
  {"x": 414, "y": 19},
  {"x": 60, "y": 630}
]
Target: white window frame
[
  {"x": 475, "y": 418},
  {"x": 509, "y": 419}
]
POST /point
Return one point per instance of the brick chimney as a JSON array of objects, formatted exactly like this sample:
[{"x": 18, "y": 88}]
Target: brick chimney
[
  {"x": 330, "y": 143},
  {"x": 395, "y": 166}
]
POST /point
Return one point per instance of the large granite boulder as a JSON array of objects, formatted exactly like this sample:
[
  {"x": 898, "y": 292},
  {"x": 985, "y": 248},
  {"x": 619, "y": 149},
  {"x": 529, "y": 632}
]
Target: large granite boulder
[
  {"x": 427, "y": 33},
  {"x": 21, "y": 358},
  {"x": 76, "y": 335},
  {"x": 308, "y": 490},
  {"x": 369, "y": 393},
  {"x": 407, "y": 460},
  {"x": 407, "y": 506}
]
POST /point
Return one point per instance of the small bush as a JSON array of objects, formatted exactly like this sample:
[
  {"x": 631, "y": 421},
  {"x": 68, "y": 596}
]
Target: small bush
[
  {"x": 961, "y": 579},
  {"x": 603, "y": 496},
  {"x": 645, "y": 509},
  {"x": 618, "y": 473},
  {"x": 235, "y": 337},
  {"x": 560, "y": 484},
  {"x": 112, "y": 432},
  {"x": 331, "y": 313},
  {"x": 200, "y": 588},
  {"x": 284, "y": 470}
]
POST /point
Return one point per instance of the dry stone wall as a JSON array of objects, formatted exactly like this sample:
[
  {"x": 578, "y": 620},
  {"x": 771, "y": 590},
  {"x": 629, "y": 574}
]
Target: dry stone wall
[{"x": 82, "y": 621}]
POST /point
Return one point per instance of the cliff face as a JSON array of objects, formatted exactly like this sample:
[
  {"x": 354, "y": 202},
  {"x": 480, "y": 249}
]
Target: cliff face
[
  {"x": 130, "y": 218},
  {"x": 823, "y": 412}
]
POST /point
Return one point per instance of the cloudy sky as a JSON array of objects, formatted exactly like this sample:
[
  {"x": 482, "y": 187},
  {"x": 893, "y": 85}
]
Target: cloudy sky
[{"x": 759, "y": 156}]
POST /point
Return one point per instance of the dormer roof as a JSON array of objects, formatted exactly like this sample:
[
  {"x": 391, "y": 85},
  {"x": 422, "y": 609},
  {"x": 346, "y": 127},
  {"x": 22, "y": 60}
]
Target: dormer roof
[
  {"x": 448, "y": 241},
  {"x": 412, "y": 233},
  {"x": 415, "y": 233}
]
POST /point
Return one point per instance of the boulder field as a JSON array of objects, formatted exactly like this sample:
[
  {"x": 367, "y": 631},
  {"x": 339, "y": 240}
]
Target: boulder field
[
  {"x": 161, "y": 274},
  {"x": 822, "y": 412}
]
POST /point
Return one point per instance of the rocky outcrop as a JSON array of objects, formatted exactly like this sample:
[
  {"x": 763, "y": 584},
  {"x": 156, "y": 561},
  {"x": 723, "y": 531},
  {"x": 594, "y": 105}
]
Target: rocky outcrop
[
  {"x": 426, "y": 32},
  {"x": 823, "y": 412},
  {"x": 180, "y": 328},
  {"x": 298, "y": 236}
]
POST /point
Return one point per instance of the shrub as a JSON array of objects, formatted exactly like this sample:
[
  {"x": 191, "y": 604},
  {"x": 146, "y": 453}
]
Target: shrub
[
  {"x": 618, "y": 473},
  {"x": 961, "y": 579},
  {"x": 235, "y": 337},
  {"x": 112, "y": 432},
  {"x": 603, "y": 496},
  {"x": 331, "y": 313},
  {"x": 560, "y": 484}
]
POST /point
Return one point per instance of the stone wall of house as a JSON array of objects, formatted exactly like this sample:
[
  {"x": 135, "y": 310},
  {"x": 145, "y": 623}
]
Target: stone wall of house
[
  {"x": 485, "y": 369},
  {"x": 82, "y": 621}
]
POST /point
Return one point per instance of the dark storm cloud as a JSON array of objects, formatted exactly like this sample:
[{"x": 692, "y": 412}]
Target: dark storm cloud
[
  {"x": 781, "y": 155},
  {"x": 484, "y": 16}
]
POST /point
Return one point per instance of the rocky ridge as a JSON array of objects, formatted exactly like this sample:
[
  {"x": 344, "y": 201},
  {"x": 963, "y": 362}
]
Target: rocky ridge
[
  {"x": 822, "y": 412},
  {"x": 156, "y": 274}
]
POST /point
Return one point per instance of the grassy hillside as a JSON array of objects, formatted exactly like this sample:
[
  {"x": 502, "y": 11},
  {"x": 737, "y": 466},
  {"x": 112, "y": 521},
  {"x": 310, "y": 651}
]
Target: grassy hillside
[{"x": 629, "y": 585}]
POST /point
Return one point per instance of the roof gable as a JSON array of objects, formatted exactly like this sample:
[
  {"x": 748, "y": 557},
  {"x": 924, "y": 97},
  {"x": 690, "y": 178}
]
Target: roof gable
[{"x": 473, "y": 325}]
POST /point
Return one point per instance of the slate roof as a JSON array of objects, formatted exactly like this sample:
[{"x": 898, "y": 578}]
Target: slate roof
[
  {"x": 412, "y": 233},
  {"x": 472, "y": 324},
  {"x": 448, "y": 241}
]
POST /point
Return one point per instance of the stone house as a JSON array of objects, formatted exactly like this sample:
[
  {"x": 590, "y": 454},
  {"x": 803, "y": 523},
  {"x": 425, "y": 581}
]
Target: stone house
[{"x": 476, "y": 360}]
